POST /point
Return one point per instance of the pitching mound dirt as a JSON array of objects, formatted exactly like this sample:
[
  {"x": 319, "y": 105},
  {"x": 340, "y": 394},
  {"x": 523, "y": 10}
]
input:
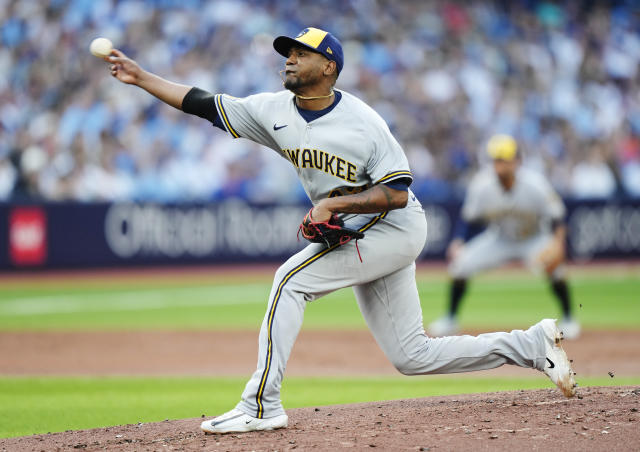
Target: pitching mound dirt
[
  {"x": 601, "y": 418},
  {"x": 316, "y": 353}
]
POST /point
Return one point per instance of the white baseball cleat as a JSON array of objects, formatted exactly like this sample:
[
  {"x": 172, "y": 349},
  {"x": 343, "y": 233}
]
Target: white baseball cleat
[
  {"x": 570, "y": 328},
  {"x": 557, "y": 366},
  {"x": 237, "y": 421},
  {"x": 444, "y": 326}
]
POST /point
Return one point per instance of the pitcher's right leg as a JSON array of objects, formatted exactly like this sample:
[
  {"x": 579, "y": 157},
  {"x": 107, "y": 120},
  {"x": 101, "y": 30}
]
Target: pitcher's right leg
[{"x": 391, "y": 308}]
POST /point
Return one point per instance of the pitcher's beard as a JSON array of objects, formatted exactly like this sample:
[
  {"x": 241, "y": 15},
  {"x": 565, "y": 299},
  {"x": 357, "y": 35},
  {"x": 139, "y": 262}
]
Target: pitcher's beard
[
  {"x": 293, "y": 84},
  {"x": 296, "y": 83}
]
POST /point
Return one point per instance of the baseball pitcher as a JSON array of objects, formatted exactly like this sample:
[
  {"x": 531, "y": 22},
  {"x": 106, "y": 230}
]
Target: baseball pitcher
[{"x": 357, "y": 177}]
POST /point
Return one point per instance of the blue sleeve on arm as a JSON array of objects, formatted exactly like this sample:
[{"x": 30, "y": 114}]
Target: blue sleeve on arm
[
  {"x": 556, "y": 223},
  {"x": 202, "y": 103},
  {"x": 218, "y": 123},
  {"x": 399, "y": 184},
  {"x": 467, "y": 230}
]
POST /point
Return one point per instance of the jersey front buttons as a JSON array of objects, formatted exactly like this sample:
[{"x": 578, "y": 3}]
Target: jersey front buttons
[{"x": 306, "y": 133}]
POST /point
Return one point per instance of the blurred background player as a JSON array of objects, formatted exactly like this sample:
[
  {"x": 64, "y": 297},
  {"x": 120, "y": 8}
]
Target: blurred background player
[{"x": 524, "y": 220}]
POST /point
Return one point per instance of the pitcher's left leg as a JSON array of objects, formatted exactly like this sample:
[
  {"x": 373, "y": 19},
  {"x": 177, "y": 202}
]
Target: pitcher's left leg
[
  {"x": 290, "y": 292},
  {"x": 307, "y": 276},
  {"x": 260, "y": 407}
]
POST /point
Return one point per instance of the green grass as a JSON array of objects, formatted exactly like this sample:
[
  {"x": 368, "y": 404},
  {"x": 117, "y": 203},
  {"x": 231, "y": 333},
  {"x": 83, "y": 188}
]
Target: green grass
[
  {"x": 40, "y": 405},
  {"x": 607, "y": 301},
  {"x": 600, "y": 301}
]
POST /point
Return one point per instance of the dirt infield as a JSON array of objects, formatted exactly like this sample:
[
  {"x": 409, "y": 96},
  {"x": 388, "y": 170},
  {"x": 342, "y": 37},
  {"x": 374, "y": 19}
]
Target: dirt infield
[
  {"x": 596, "y": 353},
  {"x": 600, "y": 419}
]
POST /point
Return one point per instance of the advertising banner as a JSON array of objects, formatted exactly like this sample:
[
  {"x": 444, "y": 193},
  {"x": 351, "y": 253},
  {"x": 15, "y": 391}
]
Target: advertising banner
[
  {"x": 27, "y": 236},
  {"x": 77, "y": 235}
]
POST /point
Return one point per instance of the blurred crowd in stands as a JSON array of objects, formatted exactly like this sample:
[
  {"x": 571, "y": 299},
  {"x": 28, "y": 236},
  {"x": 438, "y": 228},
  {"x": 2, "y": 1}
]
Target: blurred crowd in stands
[{"x": 445, "y": 75}]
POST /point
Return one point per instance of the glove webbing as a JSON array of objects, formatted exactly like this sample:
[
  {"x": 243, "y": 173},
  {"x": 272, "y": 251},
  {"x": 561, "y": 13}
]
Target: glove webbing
[{"x": 313, "y": 226}]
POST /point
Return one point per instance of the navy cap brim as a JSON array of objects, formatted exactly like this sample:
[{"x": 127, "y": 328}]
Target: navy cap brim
[{"x": 283, "y": 44}]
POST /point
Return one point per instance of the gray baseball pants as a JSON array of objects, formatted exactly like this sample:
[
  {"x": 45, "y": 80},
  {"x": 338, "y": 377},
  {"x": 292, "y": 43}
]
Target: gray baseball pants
[
  {"x": 489, "y": 250},
  {"x": 385, "y": 289}
]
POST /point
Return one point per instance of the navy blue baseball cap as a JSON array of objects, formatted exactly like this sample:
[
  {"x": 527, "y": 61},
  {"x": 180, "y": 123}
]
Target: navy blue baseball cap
[{"x": 315, "y": 39}]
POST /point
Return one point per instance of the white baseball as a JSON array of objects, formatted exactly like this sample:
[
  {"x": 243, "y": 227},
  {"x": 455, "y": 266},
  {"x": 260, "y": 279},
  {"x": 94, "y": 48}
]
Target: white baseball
[{"x": 101, "y": 47}]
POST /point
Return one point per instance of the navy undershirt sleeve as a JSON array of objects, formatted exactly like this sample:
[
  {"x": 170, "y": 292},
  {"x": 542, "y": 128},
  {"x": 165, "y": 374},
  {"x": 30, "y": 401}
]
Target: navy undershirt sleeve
[
  {"x": 202, "y": 103},
  {"x": 556, "y": 223},
  {"x": 399, "y": 184},
  {"x": 467, "y": 230},
  {"x": 218, "y": 122}
]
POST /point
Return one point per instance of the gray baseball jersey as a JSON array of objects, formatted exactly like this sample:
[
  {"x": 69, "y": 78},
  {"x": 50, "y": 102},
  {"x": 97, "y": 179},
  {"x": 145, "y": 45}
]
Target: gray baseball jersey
[
  {"x": 518, "y": 221},
  {"x": 518, "y": 214},
  {"x": 347, "y": 150},
  {"x": 330, "y": 160}
]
